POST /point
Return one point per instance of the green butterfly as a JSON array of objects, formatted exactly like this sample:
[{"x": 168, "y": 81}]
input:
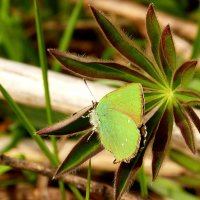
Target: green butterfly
[{"x": 118, "y": 118}]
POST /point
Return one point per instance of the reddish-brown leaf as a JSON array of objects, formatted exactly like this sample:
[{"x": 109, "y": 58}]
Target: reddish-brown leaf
[
  {"x": 87, "y": 67},
  {"x": 183, "y": 71},
  {"x": 162, "y": 140},
  {"x": 193, "y": 116},
  {"x": 76, "y": 123},
  {"x": 124, "y": 45},
  {"x": 183, "y": 122},
  {"x": 154, "y": 32},
  {"x": 88, "y": 146},
  {"x": 168, "y": 50},
  {"x": 188, "y": 96}
]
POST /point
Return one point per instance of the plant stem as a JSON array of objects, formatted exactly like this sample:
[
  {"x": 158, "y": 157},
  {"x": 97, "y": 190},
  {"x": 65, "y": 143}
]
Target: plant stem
[{"x": 87, "y": 197}]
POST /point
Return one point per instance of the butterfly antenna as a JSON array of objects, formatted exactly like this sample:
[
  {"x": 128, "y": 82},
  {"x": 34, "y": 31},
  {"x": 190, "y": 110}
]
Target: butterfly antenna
[{"x": 93, "y": 102}]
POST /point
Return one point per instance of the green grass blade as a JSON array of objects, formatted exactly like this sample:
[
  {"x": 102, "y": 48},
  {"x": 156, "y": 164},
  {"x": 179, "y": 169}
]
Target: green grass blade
[
  {"x": 76, "y": 192},
  {"x": 196, "y": 44},
  {"x": 87, "y": 197},
  {"x": 28, "y": 126},
  {"x": 43, "y": 64},
  {"x": 66, "y": 38},
  {"x": 62, "y": 190},
  {"x": 143, "y": 183},
  {"x": 67, "y": 35},
  {"x": 43, "y": 60}
]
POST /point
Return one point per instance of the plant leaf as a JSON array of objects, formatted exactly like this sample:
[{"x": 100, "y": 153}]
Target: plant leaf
[
  {"x": 152, "y": 104},
  {"x": 126, "y": 174},
  {"x": 187, "y": 96},
  {"x": 76, "y": 123},
  {"x": 162, "y": 140},
  {"x": 85, "y": 67},
  {"x": 88, "y": 146},
  {"x": 185, "y": 71},
  {"x": 127, "y": 171},
  {"x": 183, "y": 123},
  {"x": 154, "y": 32},
  {"x": 152, "y": 95},
  {"x": 168, "y": 51},
  {"x": 152, "y": 99},
  {"x": 123, "y": 44},
  {"x": 185, "y": 160},
  {"x": 193, "y": 116}
]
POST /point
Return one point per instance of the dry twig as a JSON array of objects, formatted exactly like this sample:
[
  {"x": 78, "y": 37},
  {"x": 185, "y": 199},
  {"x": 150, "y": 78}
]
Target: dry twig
[{"x": 98, "y": 188}]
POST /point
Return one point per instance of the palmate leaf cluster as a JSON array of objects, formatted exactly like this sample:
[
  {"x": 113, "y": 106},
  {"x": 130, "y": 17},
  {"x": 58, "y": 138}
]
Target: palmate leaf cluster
[{"x": 165, "y": 88}]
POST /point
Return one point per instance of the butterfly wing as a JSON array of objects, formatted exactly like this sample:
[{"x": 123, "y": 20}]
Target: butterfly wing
[
  {"x": 119, "y": 134},
  {"x": 127, "y": 99}
]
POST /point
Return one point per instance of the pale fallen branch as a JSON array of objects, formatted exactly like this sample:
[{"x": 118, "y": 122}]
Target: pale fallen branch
[
  {"x": 101, "y": 189},
  {"x": 68, "y": 94}
]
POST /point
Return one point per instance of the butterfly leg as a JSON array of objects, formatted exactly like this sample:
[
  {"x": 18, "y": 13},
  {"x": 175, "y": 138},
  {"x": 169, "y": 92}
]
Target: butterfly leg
[{"x": 90, "y": 135}]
